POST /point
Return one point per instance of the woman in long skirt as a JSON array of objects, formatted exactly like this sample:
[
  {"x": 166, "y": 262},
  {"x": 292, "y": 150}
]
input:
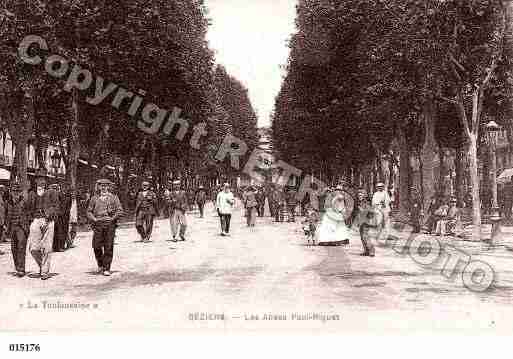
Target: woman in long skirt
[{"x": 333, "y": 229}]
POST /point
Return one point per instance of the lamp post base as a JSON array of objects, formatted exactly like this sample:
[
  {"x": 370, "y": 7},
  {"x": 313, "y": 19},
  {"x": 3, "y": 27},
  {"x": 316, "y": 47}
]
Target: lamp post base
[{"x": 496, "y": 221}]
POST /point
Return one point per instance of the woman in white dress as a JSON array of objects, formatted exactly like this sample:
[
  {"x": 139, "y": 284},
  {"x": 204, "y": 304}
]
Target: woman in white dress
[{"x": 334, "y": 229}]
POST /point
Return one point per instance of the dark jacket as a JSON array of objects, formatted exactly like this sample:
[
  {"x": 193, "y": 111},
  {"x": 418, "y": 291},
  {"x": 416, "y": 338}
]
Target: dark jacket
[
  {"x": 201, "y": 196},
  {"x": 415, "y": 207},
  {"x": 148, "y": 204},
  {"x": 250, "y": 199},
  {"x": 177, "y": 200},
  {"x": 17, "y": 215},
  {"x": 260, "y": 196},
  {"x": 109, "y": 210}
]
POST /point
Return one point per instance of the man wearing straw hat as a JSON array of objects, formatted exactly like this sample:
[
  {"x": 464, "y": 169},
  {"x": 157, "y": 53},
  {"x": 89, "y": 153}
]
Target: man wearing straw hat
[
  {"x": 103, "y": 211},
  {"x": 225, "y": 202},
  {"x": 146, "y": 209},
  {"x": 42, "y": 209},
  {"x": 381, "y": 201}
]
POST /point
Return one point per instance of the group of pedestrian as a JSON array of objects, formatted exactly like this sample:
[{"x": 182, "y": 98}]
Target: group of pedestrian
[
  {"x": 44, "y": 221},
  {"x": 339, "y": 208},
  {"x": 41, "y": 221},
  {"x": 176, "y": 203},
  {"x": 282, "y": 203}
]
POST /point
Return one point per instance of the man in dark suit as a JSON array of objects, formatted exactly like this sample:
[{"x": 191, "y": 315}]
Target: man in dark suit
[
  {"x": 260, "y": 198},
  {"x": 415, "y": 211},
  {"x": 201, "y": 198},
  {"x": 146, "y": 208},
  {"x": 18, "y": 228},
  {"x": 61, "y": 226}
]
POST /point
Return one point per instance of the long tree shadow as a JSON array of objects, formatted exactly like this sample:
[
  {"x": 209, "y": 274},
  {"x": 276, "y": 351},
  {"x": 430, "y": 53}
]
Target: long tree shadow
[{"x": 136, "y": 279}]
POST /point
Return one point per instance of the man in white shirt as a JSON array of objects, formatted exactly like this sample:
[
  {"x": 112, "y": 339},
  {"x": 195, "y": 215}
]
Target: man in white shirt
[
  {"x": 381, "y": 201},
  {"x": 224, "y": 204}
]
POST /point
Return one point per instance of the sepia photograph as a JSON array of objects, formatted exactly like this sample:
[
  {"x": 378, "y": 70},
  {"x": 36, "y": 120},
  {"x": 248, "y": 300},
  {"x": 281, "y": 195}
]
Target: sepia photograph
[{"x": 213, "y": 166}]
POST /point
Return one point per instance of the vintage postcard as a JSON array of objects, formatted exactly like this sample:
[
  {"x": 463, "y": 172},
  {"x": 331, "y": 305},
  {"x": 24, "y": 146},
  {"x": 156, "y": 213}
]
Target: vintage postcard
[{"x": 271, "y": 165}]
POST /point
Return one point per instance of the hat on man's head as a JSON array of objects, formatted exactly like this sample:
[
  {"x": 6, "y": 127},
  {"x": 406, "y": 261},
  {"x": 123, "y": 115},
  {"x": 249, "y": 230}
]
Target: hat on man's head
[
  {"x": 176, "y": 182},
  {"x": 40, "y": 173},
  {"x": 41, "y": 176},
  {"x": 201, "y": 187},
  {"x": 380, "y": 185},
  {"x": 145, "y": 183},
  {"x": 104, "y": 181}
]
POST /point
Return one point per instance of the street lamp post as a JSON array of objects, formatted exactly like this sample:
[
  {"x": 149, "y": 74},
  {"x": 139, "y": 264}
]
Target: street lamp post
[{"x": 492, "y": 133}]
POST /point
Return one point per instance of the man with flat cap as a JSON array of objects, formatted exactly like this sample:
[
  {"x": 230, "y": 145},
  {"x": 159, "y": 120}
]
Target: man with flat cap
[
  {"x": 103, "y": 211},
  {"x": 146, "y": 208},
  {"x": 18, "y": 228},
  {"x": 178, "y": 204},
  {"x": 42, "y": 209}
]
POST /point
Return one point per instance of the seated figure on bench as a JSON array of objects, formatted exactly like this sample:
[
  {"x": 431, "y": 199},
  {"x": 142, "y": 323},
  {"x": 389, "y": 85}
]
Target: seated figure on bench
[{"x": 451, "y": 222}]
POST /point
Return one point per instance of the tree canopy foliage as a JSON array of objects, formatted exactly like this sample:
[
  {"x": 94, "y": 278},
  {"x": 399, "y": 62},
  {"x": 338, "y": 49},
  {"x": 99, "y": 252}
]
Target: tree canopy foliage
[{"x": 155, "y": 48}]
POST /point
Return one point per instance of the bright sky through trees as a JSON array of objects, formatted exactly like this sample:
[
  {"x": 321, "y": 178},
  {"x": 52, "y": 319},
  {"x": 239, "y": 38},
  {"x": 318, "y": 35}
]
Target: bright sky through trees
[{"x": 250, "y": 40}]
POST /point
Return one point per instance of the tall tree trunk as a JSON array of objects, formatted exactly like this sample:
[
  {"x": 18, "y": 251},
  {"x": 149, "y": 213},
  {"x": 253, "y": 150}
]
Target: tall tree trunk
[
  {"x": 367, "y": 178},
  {"x": 443, "y": 171},
  {"x": 485, "y": 183},
  {"x": 421, "y": 174},
  {"x": 460, "y": 175},
  {"x": 124, "y": 180},
  {"x": 428, "y": 152},
  {"x": 357, "y": 176},
  {"x": 40, "y": 148},
  {"x": 381, "y": 173},
  {"x": 404, "y": 169},
  {"x": 20, "y": 161},
  {"x": 474, "y": 177},
  {"x": 375, "y": 175},
  {"x": 21, "y": 128},
  {"x": 391, "y": 167},
  {"x": 74, "y": 142}
]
